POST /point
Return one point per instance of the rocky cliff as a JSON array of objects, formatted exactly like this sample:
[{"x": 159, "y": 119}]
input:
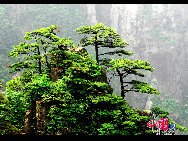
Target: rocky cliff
[{"x": 157, "y": 34}]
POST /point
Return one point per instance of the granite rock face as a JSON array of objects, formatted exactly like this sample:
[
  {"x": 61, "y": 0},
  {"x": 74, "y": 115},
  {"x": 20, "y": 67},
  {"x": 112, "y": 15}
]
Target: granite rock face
[
  {"x": 156, "y": 33},
  {"x": 81, "y": 51},
  {"x": 2, "y": 93}
]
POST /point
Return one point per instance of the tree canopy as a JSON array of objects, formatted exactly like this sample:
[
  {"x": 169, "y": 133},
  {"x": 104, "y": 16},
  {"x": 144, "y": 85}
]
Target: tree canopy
[{"x": 103, "y": 36}]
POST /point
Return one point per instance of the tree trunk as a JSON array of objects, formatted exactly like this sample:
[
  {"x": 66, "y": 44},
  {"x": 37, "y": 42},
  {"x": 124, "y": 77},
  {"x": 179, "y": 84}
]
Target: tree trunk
[
  {"x": 96, "y": 50},
  {"x": 40, "y": 69},
  {"x": 121, "y": 82}
]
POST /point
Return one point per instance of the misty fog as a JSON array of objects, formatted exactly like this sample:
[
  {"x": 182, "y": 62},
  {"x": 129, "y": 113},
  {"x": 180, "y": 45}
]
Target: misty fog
[{"x": 156, "y": 33}]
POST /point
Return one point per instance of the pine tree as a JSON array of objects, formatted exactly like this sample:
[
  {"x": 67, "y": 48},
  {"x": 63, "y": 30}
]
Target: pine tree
[
  {"x": 103, "y": 36},
  {"x": 39, "y": 58},
  {"x": 129, "y": 67},
  {"x": 41, "y": 53}
]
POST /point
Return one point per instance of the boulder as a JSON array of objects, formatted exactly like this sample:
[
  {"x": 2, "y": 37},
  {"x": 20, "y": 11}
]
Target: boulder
[
  {"x": 42, "y": 118},
  {"x": 81, "y": 51},
  {"x": 102, "y": 77},
  {"x": 18, "y": 74},
  {"x": 55, "y": 74},
  {"x": 1, "y": 92},
  {"x": 28, "y": 122},
  {"x": 148, "y": 103},
  {"x": 146, "y": 113},
  {"x": 42, "y": 110}
]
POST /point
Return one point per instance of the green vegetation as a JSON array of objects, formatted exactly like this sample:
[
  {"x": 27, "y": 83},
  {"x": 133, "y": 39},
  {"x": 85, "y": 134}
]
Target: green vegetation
[
  {"x": 77, "y": 102},
  {"x": 172, "y": 106},
  {"x": 164, "y": 114},
  {"x": 159, "y": 35},
  {"x": 102, "y": 37},
  {"x": 106, "y": 37},
  {"x": 17, "y": 19}
]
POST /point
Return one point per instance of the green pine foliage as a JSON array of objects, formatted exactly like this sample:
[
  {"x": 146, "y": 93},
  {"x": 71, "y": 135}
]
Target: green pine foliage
[
  {"x": 1, "y": 85},
  {"x": 164, "y": 114},
  {"x": 103, "y": 36},
  {"x": 6, "y": 125},
  {"x": 77, "y": 102},
  {"x": 172, "y": 105},
  {"x": 129, "y": 65},
  {"x": 108, "y": 37}
]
